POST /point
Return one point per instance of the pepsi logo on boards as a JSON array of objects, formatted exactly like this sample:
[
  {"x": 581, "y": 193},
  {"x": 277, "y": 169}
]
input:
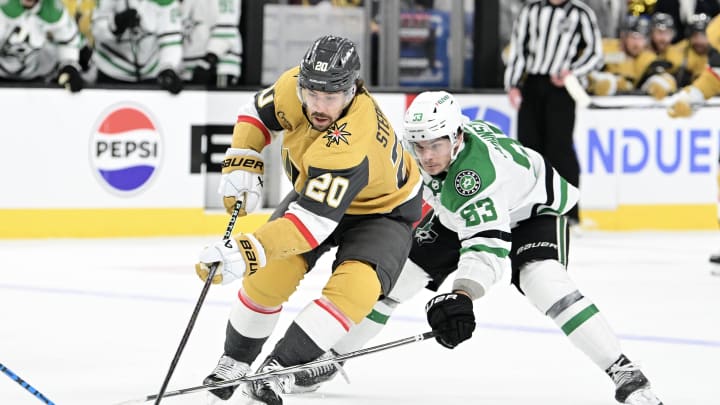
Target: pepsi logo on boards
[{"x": 126, "y": 148}]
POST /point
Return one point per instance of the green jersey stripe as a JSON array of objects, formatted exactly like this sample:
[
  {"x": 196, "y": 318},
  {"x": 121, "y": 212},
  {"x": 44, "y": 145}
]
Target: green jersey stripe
[
  {"x": 499, "y": 252},
  {"x": 563, "y": 194}
]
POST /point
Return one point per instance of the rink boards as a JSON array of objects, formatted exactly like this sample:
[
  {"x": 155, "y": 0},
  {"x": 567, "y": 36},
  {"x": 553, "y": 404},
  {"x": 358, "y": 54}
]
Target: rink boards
[{"x": 134, "y": 163}]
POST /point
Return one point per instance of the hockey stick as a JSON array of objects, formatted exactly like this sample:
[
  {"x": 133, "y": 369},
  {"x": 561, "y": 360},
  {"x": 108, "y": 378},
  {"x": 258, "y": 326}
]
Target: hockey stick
[
  {"x": 25, "y": 385},
  {"x": 238, "y": 210},
  {"x": 576, "y": 91},
  {"x": 583, "y": 100},
  {"x": 290, "y": 369}
]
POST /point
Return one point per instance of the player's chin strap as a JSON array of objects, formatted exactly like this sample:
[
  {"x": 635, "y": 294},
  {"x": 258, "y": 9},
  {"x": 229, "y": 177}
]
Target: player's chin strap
[{"x": 288, "y": 370}]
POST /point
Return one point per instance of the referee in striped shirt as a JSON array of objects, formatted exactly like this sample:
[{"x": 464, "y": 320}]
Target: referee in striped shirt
[{"x": 551, "y": 39}]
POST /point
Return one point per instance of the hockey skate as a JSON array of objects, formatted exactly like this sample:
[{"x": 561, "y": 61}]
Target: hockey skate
[
  {"x": 226, "y": 369},
  {"x": 267, "y": 391},
  {"x": 310, "y": 380},
  {"x": 631, "y": 385}
]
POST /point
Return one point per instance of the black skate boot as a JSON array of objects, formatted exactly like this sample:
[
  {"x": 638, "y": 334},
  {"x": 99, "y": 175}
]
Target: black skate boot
[
  {"x": 310, "y": 380},
  {"x": 631, "y": 385},
  {"x": 226, "y": 369},
  {"x": 267, "y": 391}
]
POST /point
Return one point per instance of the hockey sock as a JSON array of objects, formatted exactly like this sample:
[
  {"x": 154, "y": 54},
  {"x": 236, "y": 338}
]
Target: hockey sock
[
  {"x": 412, "y": 280},
  {"x": 248, "y": 328},
  {"x": 315, "y": 330},
  {"x": 548, "y": 286},
  {"x": 367, "y": 329}
]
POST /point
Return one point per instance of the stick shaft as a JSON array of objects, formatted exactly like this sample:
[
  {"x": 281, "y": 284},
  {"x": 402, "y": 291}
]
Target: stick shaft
[
  {"x": 213, "y": 268},
  {"x": 25, "y": 385},
  {"x": 290, "y": 369}
]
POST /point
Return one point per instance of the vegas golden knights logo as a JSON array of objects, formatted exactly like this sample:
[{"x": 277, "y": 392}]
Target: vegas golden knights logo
[{"x": 335, "y": 134}]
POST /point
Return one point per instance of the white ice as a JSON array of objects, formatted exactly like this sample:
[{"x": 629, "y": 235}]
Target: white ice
[{"x": 98, "y": 322}]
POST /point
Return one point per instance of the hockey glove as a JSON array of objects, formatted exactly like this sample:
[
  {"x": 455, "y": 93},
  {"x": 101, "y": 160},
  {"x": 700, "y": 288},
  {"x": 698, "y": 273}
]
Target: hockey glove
[
  {"x": 660, "y": 85},
  {"x": 608, "y": 84},
  {"x": 205, "y": 70},
  {"x": 234, "y": 256},
  {"x": 125, "y": 19},
  {"x": 70, "y": 78},
  {"x": 170, "y": 81},
  {"x": 452, "y": 319},
  {"x": 684, "y": 103},
  {"x": 242, "y": 176}
]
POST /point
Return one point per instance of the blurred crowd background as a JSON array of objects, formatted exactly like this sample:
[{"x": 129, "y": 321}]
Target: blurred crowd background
[{"x": 650, "y": 46}]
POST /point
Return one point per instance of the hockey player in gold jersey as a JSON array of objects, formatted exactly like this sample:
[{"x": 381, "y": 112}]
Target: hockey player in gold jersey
[
  {"x": 658, "y": 79},
  {"x": 685, "y": 102},
  {"x": 693, "y": 50},
  {"x": 355, "y": 188},
  {"x": 626, "y": 59}
]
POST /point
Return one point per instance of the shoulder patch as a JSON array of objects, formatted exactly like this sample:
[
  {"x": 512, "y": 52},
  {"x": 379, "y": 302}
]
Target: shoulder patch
[
  {"x": 51, "y": 10},
  {"x": 335, "y": 134},
  {"x": 467, "y": 182},
  {"x": 12, "y": 8}
]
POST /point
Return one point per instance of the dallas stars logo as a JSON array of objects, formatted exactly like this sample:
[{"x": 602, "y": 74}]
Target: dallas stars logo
[
  {"x": 335, "y": 134},
  {"x": 467, "y": 182},
  {"x": 425, "y": 234}
]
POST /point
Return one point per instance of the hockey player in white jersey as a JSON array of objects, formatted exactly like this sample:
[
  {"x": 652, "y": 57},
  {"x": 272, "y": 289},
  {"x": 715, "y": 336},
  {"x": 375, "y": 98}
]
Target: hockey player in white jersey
[
  {"x": 138, "y": 41},
  {"x": 39, "y": 40},
  {"x": 212, "y": 50},
  {"x": 497, "y": 207}
]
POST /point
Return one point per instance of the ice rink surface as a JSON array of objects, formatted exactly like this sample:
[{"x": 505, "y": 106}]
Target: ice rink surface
[{"x": 94, "y": 322}]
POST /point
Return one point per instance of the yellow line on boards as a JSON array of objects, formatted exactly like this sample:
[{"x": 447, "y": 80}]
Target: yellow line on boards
[
  {"x": 120, "y": 222},
  {"x": 652, "y": 217},
  {"x": 130, "y": 222}
]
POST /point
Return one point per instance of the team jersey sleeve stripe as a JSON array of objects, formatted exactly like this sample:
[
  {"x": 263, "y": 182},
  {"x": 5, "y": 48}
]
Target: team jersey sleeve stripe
[
  {"x": 258, "y": 124},
  {"x": 563, "y": 195},
  {"x": 497, "y": 251},
  {"x": 715, "y": 71},
  {"x": 478, "y": 271},
  {"x": 265, "y": 106},
  {"x": 494, "y": 234},
  {"x": 304, "y": 231}
]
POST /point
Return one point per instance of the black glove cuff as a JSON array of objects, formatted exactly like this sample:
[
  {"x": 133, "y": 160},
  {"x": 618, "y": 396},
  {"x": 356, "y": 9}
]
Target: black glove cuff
[
  {"x": 70, "y": 78},
  {"x": 170, "y": 81}
]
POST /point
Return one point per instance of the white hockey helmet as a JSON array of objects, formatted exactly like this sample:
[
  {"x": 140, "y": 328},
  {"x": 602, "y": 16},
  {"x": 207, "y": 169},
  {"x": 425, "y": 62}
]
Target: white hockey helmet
[{"x": 432, "y": 115}]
